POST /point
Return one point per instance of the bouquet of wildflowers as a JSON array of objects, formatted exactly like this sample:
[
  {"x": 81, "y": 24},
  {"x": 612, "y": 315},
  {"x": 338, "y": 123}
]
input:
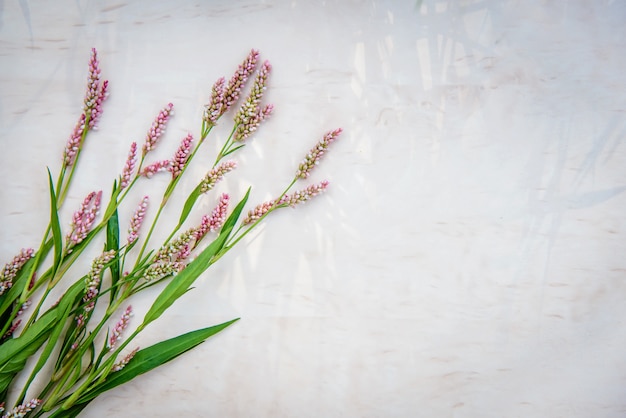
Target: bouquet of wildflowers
[{"x": 74, "y": 351}]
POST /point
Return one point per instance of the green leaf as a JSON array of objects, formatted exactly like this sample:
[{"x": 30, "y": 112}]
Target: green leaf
[
  {"x": 113, "y": 243},
  {"x": 152, "y": 357},
  {"x": 64, "y": 308},
  {"x": 181, "y": 283},
  {"x": 56, "y": 227},
  {"x": 191, "y": 200},
  {"x": 15, "y": 352},
  {"x": 230, "y": 151}
]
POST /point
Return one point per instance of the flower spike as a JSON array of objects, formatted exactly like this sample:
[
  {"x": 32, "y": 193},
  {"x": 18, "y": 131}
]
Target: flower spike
[
  {"x": 180, "y": 158},
  {"x": 215, "y": 175},
  {"x": 313, "y": 157},
  {"x": 137, "y": 220},
  {"x": 154, "y": 168},
  {"x": 84, "y": 218},
  {"x": 213, "y": 110},
  {"x": 116, "y": 334},
  {"x": 13, "y": 267},
  {"x": 250, "y": 115},
  {"x": 158, "y": 128},
  {"x": 238, "y": 80},
  {"x": 214, "y": 221},
  {"x": 129, "y": 167}
]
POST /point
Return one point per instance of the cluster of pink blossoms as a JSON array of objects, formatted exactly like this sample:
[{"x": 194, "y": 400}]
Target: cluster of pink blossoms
[
  {"x": 157, "y": 128},
  {"x": 250, "y": 114},
  {"x": 137, "y": 220},
  {"x": 83, "y": 219},
  {"x": 129, "y": 167},
  {"x": 116, "y": 333},
  {"x": 316, "y": 153},
  {"x": 224, "y": 96},
  {"x": 238, "y": 80},
  {"x": 21, "y": 410},
  {"x": 92, "y": 284},
  {"x": 10, "y": 270},
  {"x": 214, "y": 221},
  {"x": 92, "y": 109},
  {"x": 216, "y": 174},
  {"x": 180, "y": 158},
  {"x": 120, "y": 365}
]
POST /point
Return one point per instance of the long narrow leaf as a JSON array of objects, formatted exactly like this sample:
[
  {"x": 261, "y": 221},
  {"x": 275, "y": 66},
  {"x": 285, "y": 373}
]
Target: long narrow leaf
[
  {"x": 15, "y": 352},
  {"x": 64, "y": 308},
  {"x": 113, "y": 243},
  {"x": 151, "y": 357},
  {"x": 56, "y": 227},
  {"x": 191, "y": 200},
  {"x": 181, "y": 283}
]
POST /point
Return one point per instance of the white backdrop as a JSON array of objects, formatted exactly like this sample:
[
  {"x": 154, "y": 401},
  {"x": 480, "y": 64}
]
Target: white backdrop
[{"x": 468, "y": 259}]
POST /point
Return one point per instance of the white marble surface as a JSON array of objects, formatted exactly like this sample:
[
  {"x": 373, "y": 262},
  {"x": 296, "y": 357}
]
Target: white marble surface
[{"x": 468, "y": 260}]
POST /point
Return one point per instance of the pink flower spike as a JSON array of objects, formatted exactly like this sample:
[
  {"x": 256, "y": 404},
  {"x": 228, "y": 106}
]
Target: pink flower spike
[
  {"x": 96, "y": 112},
  {"x": 214, "y": 221},
  {"x": 93, "y": 82},
  {"x": 74, "y": 143},
  {"x": 250, "y": 116},
  {"x": 120, "y": 365},
  {"x": 216, "y": 174},
  {"x": 92, "y": 281},
  {"x": 180, "y": 158},
  {"x": 137, "y": 220},
  {"x": 158, "y": 128},
  {"x": 154, "y": 168},
  {"x": 258, "y": 212},
  {"x": 129, "y": 167},
  {"x": 23, "y": 409},
  {"x": 116, "y": 333},
  {"x": 176, "y": 250},
  {"x": 302, "y": 196},
  {"x": 13, "y": 267},
  {"x": 314, "y": 156},
  {"x": 84, "y": 218},
  {"x": 213, "y": 110},
  {"x": 238, "y": 80}
]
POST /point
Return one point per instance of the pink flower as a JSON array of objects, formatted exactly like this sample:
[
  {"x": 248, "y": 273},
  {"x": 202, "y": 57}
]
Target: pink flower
[
  {"x": 158, "y": 128},
  {"x": 120, "y": 365},
  {"x": 161, "y": 269},
  {"x": 23, "y": 409},
  {"x": 13, "y": 267},
  {"x": 83, "y": 219},
  {"x": 176, "y": 250},
  {"x": 214, "y": 109},
  {"x": 180, "y": 158},
  {"x": 154, "y": 168},
  {"x": 94, "y": 97},
  {"x": 116, "y": 333},
  {"x": 302, "y": 196},
  {"x": 316, "y": 153},
  {"x": 217, "y": 174},
  {"x": 250, "y": 115},
  {"x": 92, "y": 281},
  {"x": 238, "y": 80},
  {"x": 73, "y": 144},
  {"x": 214, "y": 221},
  {"x": 96, "y": 111},
  {"x": 93, "y": 82},
  {"x": 258, "y": 212},
  {"x": 137, "y": 220},
  {"x": 129, "y": 166}
]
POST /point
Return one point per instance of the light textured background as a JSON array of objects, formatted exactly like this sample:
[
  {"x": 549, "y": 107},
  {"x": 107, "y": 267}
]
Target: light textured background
[{"x": 468, "y": 260}]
